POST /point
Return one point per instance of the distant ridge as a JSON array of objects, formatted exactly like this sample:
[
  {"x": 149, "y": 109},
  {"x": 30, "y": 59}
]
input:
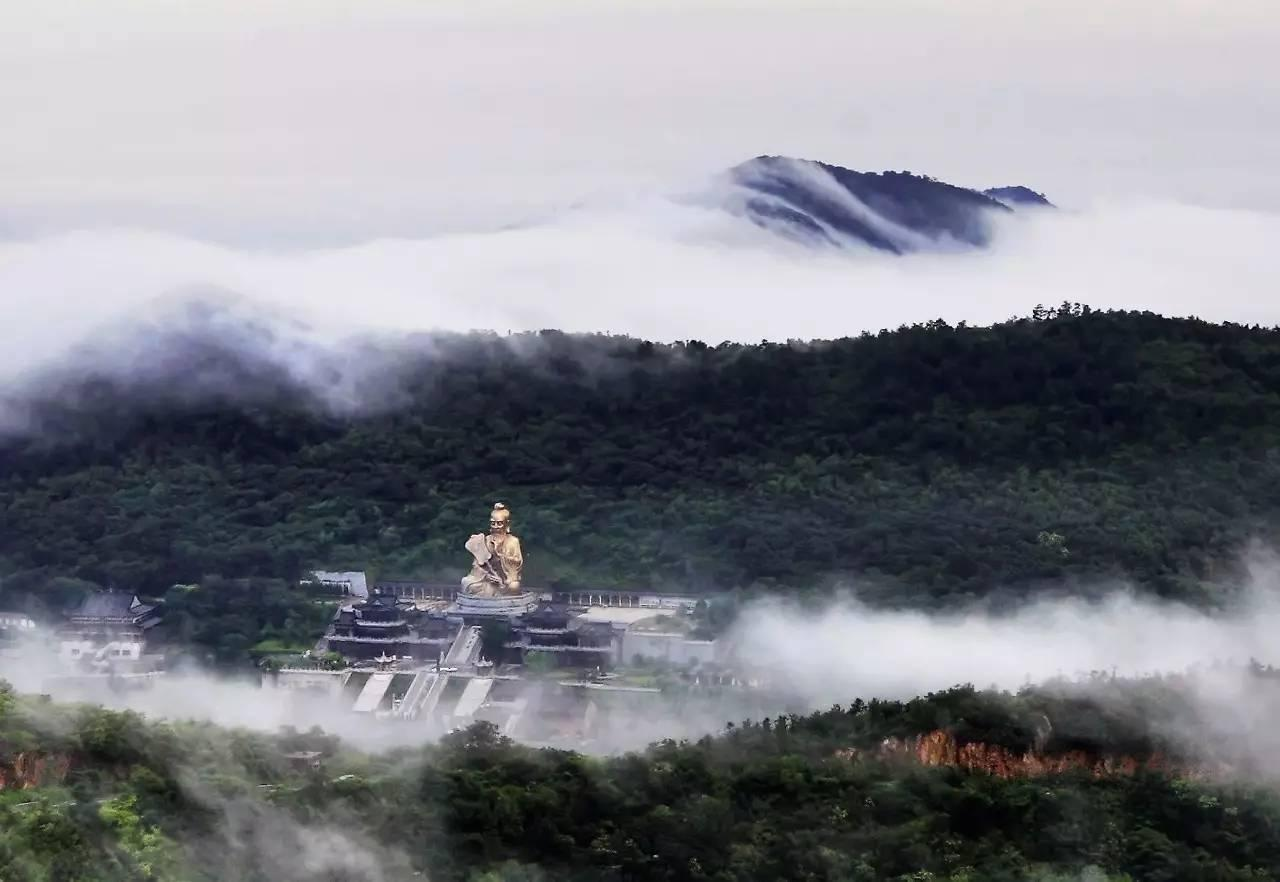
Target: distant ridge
[{"x": 897, "y": 212}]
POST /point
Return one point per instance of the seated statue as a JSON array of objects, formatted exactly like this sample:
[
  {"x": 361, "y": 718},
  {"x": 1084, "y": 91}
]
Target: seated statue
[{"x": 495, "y": 570}]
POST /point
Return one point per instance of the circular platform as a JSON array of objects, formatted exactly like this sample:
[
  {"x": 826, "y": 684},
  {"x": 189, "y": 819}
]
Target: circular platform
[{"x": 511, "y": 605}]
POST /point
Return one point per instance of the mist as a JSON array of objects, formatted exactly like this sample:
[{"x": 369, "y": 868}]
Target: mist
[
  {"x": 807, "y": 656},
  {"x": 512, "y": 166},
  {"x": 845, "y": 649},
  {"x": 652, "y": 267}
]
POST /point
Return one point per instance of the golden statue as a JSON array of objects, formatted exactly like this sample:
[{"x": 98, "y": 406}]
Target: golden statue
[{"x": 495, "y": 571}]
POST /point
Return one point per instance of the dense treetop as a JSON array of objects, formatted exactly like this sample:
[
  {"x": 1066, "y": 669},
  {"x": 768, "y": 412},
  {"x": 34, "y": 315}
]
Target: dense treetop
[{"x": 935, "y": 463}]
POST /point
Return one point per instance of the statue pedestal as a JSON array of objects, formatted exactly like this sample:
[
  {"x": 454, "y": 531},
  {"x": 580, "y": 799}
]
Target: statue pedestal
[{"x": 509, "y": 605}]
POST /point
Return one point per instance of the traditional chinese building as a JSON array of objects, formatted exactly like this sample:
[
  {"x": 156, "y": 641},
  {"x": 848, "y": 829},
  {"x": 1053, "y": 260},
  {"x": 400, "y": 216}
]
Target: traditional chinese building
[
  {"x": 572, "y": 642},
  {"x": 108, "y": 628},
  {"x": 385, "y": 625}
]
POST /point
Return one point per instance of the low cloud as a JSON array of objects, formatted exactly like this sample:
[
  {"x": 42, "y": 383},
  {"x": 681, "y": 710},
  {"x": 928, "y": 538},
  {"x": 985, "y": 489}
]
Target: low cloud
[
  {"x": 841, "y": 650},
  {"x": 107, "y": 301},
  {"x": 809, "y": 656},
  {"x": 263, "y": 841},
  {"x": 1202, "y": 682}
]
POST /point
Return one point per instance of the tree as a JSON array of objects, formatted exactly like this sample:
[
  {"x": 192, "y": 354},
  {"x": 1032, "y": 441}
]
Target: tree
[{"x": 494, "y": 636}]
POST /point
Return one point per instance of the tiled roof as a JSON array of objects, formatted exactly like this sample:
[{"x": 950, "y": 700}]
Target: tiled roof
[{"x": 111, "y": 605}]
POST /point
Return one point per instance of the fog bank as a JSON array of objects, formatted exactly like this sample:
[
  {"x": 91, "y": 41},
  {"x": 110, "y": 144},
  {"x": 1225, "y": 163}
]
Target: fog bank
[
  {"x": 807, "y": 658},
  {"x": 652, "y": 268},
  {"x": 845, "y": 649}
]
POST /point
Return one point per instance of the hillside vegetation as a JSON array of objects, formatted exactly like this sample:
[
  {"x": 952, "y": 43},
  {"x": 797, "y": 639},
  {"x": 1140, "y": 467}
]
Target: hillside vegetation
[
  {"x": 773, "y": 799},
  {"x": 937, "y": 463}
]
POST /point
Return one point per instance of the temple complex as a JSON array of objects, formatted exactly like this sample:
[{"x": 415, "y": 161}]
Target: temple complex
[
  {"x": 443, "y": 655},
  {"x": 490, "y": 594}
]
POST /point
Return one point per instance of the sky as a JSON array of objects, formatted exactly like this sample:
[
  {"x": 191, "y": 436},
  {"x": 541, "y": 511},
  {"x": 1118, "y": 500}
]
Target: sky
[
  {"x": 296, "y": 123},
  {"x": 390, "y": 165}
]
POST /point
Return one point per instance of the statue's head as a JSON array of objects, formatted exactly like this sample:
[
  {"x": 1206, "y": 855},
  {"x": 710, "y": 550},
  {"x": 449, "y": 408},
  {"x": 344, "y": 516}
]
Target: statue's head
[{"x": 499, "y": 519}]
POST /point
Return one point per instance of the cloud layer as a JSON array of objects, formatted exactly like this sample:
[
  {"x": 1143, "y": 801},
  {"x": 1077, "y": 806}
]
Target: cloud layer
[
  {"x": 650, "y": 267},
  {"x": 811, "y": 658}
]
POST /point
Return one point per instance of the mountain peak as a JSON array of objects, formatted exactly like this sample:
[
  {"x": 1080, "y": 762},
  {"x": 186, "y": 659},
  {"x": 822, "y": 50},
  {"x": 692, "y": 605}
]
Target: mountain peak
[
  {"x": 895, "y": 211},
  {"x": 1016, "y": 196}
]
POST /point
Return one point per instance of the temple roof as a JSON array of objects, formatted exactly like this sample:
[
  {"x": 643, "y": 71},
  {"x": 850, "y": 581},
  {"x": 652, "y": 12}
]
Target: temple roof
[
  {"x": 547, "y": 615},
  {"x": 111, "y": 605}
]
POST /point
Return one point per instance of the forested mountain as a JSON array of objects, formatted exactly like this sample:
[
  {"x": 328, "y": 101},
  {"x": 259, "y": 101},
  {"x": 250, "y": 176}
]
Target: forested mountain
[
  {"x": 793, "y": 798},
  {"x": 931, "y": 464}
]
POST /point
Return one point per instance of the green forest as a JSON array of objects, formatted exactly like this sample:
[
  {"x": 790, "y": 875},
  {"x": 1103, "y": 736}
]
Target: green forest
[
  {"x": 929, "y": 465},
  {"x": 791, "y": 798}
]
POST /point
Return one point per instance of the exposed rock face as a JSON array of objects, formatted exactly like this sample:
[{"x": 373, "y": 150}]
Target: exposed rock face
[
  {"x": 27, "y": 771},
  {"x": 939, "y": 748}
]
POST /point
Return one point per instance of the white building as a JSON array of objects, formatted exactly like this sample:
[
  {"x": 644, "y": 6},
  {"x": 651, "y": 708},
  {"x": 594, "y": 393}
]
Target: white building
[
  {"x": 16, "y": 623},
  {"x": 673, "y": 648},
  {"x": 106, "y": 629},
  {"x": 352, "y": 584},
  {"x": 314, "y": 680}
]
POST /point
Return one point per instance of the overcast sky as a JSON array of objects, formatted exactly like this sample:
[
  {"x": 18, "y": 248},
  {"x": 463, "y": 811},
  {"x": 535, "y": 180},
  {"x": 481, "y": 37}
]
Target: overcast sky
[{"x": 301, "y": 122}]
